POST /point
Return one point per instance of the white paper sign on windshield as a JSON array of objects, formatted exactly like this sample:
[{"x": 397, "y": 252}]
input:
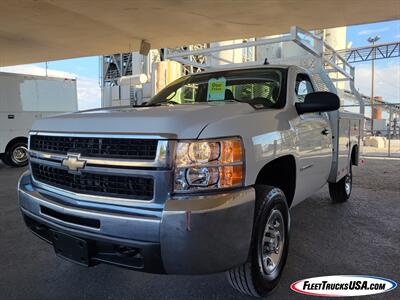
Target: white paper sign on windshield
[{"x": 216, "y": 89}]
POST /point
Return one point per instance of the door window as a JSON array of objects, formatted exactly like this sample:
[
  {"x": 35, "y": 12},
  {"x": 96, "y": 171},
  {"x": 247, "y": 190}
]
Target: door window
[{"x": 303, "y": 87}]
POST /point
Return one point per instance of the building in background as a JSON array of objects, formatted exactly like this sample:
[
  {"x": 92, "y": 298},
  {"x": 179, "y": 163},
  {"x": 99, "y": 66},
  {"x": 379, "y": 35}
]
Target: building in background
[{"x": 159, "y": 73}]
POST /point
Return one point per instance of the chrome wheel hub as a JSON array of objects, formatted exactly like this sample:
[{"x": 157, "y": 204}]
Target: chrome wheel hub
[
  {"x": 20, "y": 154},
  {"x": 273, "y": 241}
]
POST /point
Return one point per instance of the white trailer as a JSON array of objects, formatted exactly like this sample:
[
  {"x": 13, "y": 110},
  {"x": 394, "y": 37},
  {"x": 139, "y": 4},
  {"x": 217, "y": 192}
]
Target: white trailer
[{"x": 24, "y": 99}]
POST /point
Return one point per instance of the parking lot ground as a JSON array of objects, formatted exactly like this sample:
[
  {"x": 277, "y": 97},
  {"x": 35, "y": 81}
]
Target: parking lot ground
[{"x": 361, "y": 236}]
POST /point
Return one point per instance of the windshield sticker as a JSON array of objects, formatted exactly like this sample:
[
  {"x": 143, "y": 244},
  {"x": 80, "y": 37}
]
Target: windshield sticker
[{"x": 216, "y": 89}]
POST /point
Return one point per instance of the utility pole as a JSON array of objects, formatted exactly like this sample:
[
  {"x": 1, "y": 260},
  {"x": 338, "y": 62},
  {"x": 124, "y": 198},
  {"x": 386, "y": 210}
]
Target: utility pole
[{"x": 372, "y": 40}]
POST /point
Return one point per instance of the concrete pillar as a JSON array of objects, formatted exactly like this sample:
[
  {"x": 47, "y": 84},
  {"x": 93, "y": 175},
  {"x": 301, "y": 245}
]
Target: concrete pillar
[
  {"x": 377, "y": 112},
  {"x": 166, "y": 72}
]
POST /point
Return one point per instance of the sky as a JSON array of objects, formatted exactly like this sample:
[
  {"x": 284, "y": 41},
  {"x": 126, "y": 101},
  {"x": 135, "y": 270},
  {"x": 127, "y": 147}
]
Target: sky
[
  {"x": 387, "y": 71},
  {"x": 84, "y": 69}
]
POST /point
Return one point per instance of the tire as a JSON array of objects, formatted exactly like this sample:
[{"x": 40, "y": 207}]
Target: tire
[
  {"x": 341, "y": 190},
  {"x": 16, "y": 154},
  {"x": 254, "y": 277}
]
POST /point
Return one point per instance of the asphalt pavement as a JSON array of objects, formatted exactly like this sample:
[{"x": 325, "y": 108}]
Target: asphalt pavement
[{"x": 361, "y": 236}]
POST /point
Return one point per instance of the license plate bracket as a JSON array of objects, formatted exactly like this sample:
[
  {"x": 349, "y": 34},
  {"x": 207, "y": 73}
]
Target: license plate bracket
[{"x": 71, "y": 248}]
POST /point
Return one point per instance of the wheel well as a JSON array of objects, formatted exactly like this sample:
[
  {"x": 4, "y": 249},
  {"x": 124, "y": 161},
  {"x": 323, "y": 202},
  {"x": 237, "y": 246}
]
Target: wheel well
[
  {"x": 354, "y": 155},
  {"x": 17, "y": 139},
  {"x": 280, "y": 173}
]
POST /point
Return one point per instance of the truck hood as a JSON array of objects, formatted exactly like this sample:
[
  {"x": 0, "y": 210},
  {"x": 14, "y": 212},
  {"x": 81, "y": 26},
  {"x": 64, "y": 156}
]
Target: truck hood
[{"x": 182, "y": 121}]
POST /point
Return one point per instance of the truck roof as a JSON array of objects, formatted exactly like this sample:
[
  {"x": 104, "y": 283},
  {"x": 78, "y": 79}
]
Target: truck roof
[
  {"x": 258, "y": 66},
  {"x": 247, "y": 67},
  {"x": 52, "y": 77}
]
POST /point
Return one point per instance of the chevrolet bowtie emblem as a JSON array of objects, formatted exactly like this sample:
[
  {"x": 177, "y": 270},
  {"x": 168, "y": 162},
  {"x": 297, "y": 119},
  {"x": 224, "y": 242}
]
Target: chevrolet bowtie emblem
[{"x": 74, "y": 163}]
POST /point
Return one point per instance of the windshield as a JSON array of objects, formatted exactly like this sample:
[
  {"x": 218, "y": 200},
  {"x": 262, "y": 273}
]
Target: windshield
[{"x": 258, "y": 87}]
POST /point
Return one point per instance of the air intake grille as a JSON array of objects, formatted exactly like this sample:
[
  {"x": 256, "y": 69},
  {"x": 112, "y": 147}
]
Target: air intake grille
[
  {"x": 95, "y": 184},
  {"x": 96, "y": 147}
]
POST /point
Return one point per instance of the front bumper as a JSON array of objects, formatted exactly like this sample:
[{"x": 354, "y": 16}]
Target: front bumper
[{"x": 188, "y": 235}]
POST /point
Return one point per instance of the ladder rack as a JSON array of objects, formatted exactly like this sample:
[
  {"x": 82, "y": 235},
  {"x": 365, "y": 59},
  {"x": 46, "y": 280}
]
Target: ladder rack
[{"x": 320, "y": 56}]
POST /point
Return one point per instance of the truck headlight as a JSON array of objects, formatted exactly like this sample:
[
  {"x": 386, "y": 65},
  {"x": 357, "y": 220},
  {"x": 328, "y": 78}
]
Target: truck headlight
[{"x": 209, "y": 164}]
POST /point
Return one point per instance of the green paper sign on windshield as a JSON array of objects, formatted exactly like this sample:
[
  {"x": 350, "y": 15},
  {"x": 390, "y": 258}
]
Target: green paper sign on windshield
[{"x": 216, "y": 89}]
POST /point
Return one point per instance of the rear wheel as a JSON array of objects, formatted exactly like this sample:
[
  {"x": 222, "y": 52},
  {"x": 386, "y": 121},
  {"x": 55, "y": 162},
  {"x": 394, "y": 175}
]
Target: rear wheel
[
  {"x": 16, "y": 154},
  {"x": 341, "y": 190},
  {"x": 269, "y": 247}
]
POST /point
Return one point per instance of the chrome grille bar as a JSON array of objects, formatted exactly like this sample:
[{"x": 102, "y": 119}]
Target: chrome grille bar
[
  {"x": 162, "y": 159},
  {"x": 159, "y": 168}
]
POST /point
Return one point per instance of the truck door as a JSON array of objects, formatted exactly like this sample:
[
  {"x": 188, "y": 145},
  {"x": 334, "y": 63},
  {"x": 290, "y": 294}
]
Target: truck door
[{"x": 314, "y": 142}]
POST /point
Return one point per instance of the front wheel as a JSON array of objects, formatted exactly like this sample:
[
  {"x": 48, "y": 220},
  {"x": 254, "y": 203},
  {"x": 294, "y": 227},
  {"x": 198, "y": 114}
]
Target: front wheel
[
  {"x": 16, "y": 154},
  {"x": 269, "y": 247},
  {"x": 341, "y": 190}
]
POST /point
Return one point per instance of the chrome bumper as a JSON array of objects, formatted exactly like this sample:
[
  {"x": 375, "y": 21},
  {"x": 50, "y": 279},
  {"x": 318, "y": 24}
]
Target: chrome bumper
[{"x": 191, "y": 234}]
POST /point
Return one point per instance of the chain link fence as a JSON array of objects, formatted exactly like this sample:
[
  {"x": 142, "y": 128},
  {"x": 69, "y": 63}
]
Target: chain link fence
[{"x": 382, "y": 138}]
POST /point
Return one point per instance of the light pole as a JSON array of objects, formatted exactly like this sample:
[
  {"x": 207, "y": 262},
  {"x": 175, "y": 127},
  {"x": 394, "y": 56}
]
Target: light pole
[{"x": 372, "y": 40}]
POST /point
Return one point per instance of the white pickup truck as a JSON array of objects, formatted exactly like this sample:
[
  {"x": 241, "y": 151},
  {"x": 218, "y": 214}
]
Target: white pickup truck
[{"x": 199, "y": 179}]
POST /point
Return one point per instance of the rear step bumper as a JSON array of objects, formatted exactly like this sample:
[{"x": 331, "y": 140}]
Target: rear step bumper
[{"x": 194, "y": 234}]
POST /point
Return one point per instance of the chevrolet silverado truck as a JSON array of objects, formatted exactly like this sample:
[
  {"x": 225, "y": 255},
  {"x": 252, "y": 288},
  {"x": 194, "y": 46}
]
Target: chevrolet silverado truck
[{"x": 199, "y": 179}]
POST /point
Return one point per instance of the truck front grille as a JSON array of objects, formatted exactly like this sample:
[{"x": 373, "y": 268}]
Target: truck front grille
[
  {"x": 127, "y": 186},
  {"x": 95, "y": 146}
]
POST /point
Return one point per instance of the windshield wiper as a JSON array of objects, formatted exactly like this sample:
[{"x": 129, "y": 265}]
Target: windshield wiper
[
  {"x": 172, "y": 102},
  {"x": 147, "y": 104},
  {"x": 232, "y": 100}
]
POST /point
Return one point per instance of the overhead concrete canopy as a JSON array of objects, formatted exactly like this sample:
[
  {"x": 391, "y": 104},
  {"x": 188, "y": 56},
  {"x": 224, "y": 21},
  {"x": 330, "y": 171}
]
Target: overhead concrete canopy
[{"x": 44, "y": 30}]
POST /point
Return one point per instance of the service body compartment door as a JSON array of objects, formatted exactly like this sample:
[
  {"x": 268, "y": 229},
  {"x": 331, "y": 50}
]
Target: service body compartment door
[
  {"x": 343, "y": 148},
  {"x": 356, "y": 126}
]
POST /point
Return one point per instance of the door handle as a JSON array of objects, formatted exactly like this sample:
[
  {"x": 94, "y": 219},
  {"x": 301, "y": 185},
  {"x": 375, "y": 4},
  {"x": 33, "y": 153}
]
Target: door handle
[{"x": 325, "y": 131}]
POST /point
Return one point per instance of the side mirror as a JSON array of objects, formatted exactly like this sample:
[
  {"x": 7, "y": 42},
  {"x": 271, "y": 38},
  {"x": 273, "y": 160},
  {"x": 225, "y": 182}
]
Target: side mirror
[{"x": 318, "y": 102}]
